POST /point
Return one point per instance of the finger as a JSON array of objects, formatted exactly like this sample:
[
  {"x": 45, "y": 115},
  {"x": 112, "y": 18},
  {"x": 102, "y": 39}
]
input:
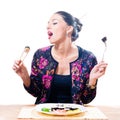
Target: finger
[
  {"x": 17, "y": 65},
  {"x": 102, "y": 63},
  {"x": 101, "y": 69},
  {"x": 18, "y": 62}
]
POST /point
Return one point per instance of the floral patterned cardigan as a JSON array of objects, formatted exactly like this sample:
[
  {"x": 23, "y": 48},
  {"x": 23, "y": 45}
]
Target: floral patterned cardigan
[{"x": 42, "y": 72}]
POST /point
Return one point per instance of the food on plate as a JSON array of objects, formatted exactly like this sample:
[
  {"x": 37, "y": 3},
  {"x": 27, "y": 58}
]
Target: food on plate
[{"x": 60, "y": 109}]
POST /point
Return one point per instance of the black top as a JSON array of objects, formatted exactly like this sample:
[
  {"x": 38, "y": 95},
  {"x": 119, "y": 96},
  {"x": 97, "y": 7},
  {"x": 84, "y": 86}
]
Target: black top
[{"x": 61, "y": 89}]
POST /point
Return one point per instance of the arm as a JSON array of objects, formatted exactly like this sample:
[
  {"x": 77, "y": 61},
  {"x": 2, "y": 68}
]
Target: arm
[
  {"x": 90, "y": 90},
  {"x": 35, "y": 79},
  {"x": 30, "y": 82},
  {"x": 21, "y": 70}
]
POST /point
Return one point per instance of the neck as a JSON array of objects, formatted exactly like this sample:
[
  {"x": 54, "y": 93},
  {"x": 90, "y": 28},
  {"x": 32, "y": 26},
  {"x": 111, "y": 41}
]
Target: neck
[{"x": 63, "y": 51}]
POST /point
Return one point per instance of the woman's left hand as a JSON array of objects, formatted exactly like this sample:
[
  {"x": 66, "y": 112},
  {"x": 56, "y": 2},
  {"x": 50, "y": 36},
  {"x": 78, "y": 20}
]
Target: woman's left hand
[{"x": 97, "y": 71}]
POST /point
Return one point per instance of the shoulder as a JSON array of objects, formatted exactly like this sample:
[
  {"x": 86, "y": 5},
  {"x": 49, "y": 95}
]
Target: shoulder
[
  {"x": 85, "y": 53},
  {"x": 87, "y": 56},
  {"x": 43, "y": 50}
]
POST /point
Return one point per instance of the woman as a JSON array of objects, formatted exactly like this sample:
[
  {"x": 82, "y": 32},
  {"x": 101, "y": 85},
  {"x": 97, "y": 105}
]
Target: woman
[{"x": 62, "y": 72}]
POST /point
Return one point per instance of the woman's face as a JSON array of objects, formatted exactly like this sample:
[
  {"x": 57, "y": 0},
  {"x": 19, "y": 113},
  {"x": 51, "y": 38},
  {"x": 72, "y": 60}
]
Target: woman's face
[{"x": 57, "y": 29}]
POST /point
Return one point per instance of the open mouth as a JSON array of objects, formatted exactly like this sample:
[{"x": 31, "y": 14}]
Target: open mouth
[{"x": 49, "y": 34}]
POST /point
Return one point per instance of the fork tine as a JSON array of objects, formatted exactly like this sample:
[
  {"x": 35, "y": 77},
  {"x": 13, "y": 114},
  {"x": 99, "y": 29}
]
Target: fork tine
[{"x": 104, "y": 39}]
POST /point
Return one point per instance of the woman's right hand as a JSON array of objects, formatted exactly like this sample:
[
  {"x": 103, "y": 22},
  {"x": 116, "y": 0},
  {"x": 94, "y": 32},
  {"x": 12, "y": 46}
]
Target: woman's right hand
[{"x": 21, "y": 70}]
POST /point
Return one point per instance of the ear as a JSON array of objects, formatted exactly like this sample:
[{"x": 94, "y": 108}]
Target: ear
[{"x": 69, "y": 29}]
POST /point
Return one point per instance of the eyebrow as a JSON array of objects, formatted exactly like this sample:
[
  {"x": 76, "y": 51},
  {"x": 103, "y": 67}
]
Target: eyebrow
[
  {"x": 55, "y": 19},
  {"x": 52, "y": 20}
]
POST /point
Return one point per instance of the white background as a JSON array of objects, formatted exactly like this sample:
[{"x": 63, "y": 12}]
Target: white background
[{"x": 23, "y": 22}]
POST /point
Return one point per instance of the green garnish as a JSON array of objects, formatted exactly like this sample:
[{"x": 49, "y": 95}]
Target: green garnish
[{"x": 45, "y": 109}]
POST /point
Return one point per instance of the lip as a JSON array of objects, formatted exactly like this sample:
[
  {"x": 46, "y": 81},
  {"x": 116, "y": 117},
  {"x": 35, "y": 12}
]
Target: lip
[{"x": 50, "y": 34}]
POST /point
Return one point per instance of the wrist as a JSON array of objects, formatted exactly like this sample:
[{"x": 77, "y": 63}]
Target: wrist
[
  {"x": 26, "y": 80},
  {"x": 92, "y": 82},
  {"x": 91, "y": 86}
]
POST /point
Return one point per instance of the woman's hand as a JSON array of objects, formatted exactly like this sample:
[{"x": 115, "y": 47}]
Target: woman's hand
[
  {"x": 97, "y": 72},
  {"x": 21, "y": 70}
]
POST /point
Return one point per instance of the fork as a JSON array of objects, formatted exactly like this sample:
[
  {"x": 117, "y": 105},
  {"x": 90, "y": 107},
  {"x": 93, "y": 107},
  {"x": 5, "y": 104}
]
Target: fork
[{"x": 104, "y": 39}]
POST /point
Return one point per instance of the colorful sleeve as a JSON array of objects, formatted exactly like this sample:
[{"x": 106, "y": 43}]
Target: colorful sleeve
[
  {"x": 35, "y": 86},
  {"x": 88, "y": 93}
]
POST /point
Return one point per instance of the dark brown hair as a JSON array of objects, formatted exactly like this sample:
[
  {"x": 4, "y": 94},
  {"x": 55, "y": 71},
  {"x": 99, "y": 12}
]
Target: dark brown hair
[{"x": 72, "y": 21}]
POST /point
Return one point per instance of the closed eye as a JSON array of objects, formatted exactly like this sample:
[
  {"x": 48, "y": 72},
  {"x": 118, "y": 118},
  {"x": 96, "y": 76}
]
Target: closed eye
[{"x": 54, "y": 23}]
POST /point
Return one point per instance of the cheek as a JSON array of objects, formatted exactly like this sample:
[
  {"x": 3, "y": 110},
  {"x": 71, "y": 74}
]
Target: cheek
[{"x": 61, "y": 33}]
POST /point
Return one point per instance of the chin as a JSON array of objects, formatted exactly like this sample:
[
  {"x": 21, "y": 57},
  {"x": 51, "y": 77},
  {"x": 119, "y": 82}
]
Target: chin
[{"x": 52, "y": 41}]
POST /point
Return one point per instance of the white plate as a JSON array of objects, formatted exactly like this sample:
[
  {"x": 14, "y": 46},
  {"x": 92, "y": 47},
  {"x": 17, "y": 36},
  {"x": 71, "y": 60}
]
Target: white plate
[{"x": 80, "y": 109}]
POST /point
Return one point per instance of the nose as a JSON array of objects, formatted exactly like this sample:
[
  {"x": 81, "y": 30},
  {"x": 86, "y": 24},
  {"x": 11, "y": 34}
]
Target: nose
[{"x": 48, "y": 26}]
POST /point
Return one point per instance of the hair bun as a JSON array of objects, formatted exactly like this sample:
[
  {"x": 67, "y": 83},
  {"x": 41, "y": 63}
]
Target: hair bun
[{"x": 78, "y": 24}]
